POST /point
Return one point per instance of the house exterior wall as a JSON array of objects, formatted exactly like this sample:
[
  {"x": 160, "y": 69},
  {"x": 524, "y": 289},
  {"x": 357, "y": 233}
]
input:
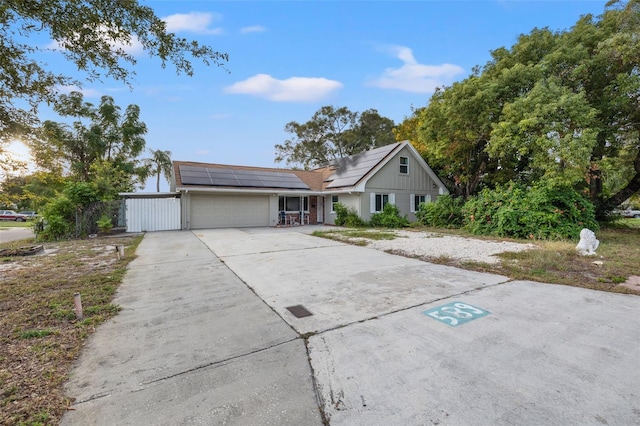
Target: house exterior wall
[
  {"x": 351, "y": 201},
  {"x": 389, "y": 180}
]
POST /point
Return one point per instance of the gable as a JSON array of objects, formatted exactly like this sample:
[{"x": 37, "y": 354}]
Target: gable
[
  {"x": 351, "y": 170},
  {"x": 413, "y": 175}
]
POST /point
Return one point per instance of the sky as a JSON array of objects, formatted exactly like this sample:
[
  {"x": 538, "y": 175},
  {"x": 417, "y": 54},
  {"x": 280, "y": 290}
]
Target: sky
[{"x": 287, "y": 59}]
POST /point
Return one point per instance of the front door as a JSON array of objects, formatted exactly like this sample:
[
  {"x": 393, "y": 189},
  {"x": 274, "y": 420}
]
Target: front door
[{"x": 320, "y": 210}]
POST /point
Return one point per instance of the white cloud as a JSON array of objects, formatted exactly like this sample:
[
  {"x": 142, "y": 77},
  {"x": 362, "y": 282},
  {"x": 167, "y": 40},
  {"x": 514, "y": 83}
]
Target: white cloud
[
  {"x": 294, "y": 89},
  {"x": 194, "y": 22},
  {"x": 414, "y": 77},
  {"x": 253, "y": 29},
  {"x": 87, "y": 93}
]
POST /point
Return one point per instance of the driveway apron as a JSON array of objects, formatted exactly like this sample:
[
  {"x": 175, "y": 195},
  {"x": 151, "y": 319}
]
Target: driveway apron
[{"x": 192, "y": 345}]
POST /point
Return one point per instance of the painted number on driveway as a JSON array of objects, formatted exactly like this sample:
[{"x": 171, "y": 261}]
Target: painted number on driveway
[{"x": 456, "y": 313}]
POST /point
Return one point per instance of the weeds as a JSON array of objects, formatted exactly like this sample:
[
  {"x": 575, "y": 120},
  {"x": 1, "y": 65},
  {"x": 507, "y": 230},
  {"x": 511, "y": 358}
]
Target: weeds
[{"x": 39, "y": 334}]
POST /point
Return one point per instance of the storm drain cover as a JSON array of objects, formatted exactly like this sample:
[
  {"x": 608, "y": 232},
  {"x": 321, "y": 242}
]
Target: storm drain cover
[{"x": 299, "y": 311}]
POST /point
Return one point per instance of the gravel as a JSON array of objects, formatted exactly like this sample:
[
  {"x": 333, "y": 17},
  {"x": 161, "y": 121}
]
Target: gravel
[{"x": 427, "y": 244}]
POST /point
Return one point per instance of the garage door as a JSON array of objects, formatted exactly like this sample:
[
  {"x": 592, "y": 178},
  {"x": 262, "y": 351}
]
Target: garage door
[{"x": 229, "y": 211}]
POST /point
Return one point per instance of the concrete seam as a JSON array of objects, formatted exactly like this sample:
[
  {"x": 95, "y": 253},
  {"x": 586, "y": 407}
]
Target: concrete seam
[
  {"x": 222, "y": 361},
  {"x": 191, "y": 370}
]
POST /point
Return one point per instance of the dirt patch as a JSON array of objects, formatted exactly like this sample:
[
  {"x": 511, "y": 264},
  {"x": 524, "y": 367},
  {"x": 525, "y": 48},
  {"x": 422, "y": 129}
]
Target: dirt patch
[
  {"x": 632, "y": 283},
  {"x": 40, "y": 336}
]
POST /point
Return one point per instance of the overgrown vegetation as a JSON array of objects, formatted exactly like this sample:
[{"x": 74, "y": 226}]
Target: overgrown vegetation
[
  {"x": 544, "y": 211},
  {"x": 39, "y": 335},
  {"x": 346, "y": 216},
  {"x": 389, "y": 218},
  {"x": 445, "y": 212}
]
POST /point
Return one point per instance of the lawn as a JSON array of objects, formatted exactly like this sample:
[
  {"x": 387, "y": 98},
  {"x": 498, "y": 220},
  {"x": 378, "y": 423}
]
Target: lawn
[
  {"x": 40, "y": 336},
  {"x": 14, "y": 224}
]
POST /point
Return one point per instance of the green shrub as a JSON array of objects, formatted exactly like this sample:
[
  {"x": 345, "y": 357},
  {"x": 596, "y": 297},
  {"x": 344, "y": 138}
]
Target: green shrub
[
  {"x": 389, "y": 217},
  {"x": 105, "y": 224},
  {"x": 544, "y": 211},
  {"x": 55, "y": 228},
  {"x": 58, "y": 219},
  {"x": 445, "y": 212},
  {"x": 347, "y": 216}
]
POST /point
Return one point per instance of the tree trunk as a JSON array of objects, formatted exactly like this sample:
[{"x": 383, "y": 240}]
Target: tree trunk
[{"x": 631, "y": 188}]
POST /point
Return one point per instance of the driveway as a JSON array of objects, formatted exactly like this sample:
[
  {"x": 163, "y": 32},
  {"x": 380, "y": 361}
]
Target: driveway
[
  {"x": 205, "y": 336},
  {"x": 15, "y": 234}
]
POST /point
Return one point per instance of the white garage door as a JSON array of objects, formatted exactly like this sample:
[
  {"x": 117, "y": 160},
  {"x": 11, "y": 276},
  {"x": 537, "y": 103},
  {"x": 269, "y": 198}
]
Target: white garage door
[{"x": 229, "y": 211}]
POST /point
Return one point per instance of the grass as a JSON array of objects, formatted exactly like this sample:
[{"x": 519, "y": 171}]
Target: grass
[
  {"x": 40, "y": 337},
  {"x": 13, "y": 224},
  {"x": 554, "y": 262}
]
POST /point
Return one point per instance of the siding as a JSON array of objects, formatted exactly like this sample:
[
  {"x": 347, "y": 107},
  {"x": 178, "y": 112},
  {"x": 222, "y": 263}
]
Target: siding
[
  {"x": 389, "y": 180},
  {"x": 152, "y": 214}
]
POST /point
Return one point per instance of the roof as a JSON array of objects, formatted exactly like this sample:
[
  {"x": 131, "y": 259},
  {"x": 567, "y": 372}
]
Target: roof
[
  {"x": 351, "y": 170},
  {"x": 345, "y": 174},
  {"x": 192, "y": 174}
]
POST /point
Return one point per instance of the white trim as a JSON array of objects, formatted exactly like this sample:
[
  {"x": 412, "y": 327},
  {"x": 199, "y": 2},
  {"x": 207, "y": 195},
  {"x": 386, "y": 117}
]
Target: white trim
[
  {"x": 412, "y": 203},
  {"x": 338, "y": 200},
  {"x": 372, "y": 203},
  {"x": 392, "y": 199}
]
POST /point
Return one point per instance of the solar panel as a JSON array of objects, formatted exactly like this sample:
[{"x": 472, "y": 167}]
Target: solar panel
[
  {"x": 350, "y": 170},
  {"x": 218, "y": 176}
]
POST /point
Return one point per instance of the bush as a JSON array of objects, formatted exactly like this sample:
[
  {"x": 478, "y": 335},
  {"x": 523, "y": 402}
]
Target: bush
[
  {"x": 389, "y": 218},
  {"x": 105, "y": 224},
  {"x": 58, "y": 219},
  {"x": 544, "y": 211},
  {"x": 347, "y": 216},
  {"x": 445, "y": 212}
]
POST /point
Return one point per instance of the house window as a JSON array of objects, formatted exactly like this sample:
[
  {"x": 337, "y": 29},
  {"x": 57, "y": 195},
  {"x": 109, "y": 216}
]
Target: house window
[
  {"x": 292, "y": 204},
  {"x": 378, "y": 201},
  {"x": 404, "y": 165},
  {"x": 418, "y": 199},
  {"x": 381, "y": 201},
  {"x": 334, "y": 201}
]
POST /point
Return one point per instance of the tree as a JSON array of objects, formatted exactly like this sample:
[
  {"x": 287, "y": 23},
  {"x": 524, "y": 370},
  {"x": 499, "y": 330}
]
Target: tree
[
  {"x": 559, "y": 106},
  {"x": 332, "y": 134},
  {"x": 101, "y": 144},
  {"x": 160, "y": 164},
  {"x": 91, "y": 34}
]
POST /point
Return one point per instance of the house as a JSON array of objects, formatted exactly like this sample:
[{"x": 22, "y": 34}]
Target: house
[{"x": 217, "y": 196}]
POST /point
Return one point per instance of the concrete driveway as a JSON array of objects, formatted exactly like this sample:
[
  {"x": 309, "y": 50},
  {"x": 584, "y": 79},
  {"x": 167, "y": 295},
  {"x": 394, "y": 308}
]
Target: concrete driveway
[
  {"x": 15, "y": 234},
  {"x": 205, "y": 336}
]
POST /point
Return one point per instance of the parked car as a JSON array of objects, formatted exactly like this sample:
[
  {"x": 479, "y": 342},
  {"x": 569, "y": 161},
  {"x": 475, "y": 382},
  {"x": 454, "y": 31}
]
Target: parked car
[
  {"x": 11, "y": 215},
  {"x": 30, "y": 214},
  {"x": 630, "y": 213}
]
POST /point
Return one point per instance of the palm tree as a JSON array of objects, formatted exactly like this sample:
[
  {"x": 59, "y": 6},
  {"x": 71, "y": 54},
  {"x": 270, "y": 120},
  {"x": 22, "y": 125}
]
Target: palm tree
[{"x": 160, "y": 164}]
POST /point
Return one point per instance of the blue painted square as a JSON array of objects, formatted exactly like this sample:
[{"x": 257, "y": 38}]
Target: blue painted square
[{"x": 456, "y": 313}]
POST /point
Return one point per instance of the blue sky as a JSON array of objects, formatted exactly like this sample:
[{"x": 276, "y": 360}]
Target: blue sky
[{"x": 289, "y": 58}]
